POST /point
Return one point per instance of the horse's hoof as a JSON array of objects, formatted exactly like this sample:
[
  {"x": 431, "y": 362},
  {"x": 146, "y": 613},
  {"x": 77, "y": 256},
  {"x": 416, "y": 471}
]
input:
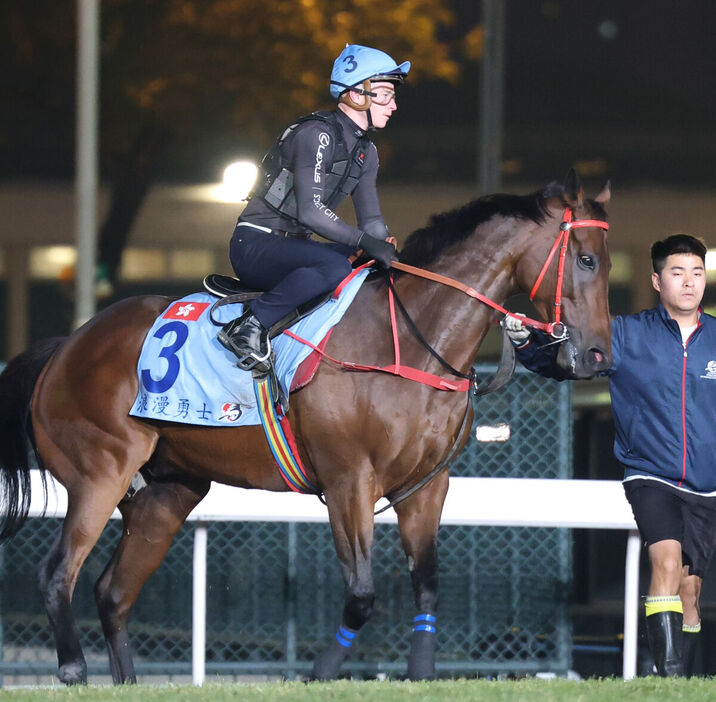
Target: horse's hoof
[
  {"x": 73, "y": 674},
  {"x": 328, "y": 664}
]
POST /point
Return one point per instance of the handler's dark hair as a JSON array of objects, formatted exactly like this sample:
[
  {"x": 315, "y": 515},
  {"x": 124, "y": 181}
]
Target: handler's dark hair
[{"x": 676, "y": 244}]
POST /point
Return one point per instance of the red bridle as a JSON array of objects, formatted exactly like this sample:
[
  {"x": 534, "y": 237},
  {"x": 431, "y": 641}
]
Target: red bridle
[
  {"x": 563, "y": 239},
  {"x": 556, "y": 328}
]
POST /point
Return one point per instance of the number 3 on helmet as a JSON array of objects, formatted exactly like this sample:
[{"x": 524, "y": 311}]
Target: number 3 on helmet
[{"x": 358, "y": 65}]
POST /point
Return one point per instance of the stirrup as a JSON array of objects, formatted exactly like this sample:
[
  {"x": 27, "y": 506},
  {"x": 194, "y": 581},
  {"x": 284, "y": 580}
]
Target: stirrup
[
  {"x": 253, "y": 361},
  {"x": 246, "y": 361}
]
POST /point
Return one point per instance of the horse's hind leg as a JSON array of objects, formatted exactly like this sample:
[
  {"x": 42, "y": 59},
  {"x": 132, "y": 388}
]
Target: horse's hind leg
[
  {"x": 87, "y": 514},
  {"x": 418, "y": 521},
  {"x": 151, "y": 519},
  {"x": 350, "y": 508}
]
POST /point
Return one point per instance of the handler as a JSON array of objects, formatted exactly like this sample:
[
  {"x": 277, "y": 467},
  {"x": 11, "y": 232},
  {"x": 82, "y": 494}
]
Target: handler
[
  {"x": 663, "y": 388},
  {"x": 313, "y": 166}
]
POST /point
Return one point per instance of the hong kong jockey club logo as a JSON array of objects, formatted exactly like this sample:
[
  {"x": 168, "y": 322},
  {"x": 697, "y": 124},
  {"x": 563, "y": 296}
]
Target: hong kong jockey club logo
[
  {"x": 710, "y": 370},
  {"x": 186, "y": 311},
  {"x": 230, "y": 412}
]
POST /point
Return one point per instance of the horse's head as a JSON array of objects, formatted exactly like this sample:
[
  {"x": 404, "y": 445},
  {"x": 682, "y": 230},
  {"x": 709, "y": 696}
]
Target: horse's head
[{"x": 581, "y": 279}]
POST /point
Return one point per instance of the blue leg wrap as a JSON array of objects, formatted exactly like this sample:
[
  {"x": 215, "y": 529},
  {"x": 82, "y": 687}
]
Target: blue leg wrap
[
  {"x": 345, "y": 636},
  {"x": 421, "y": 661},
  {"x": 425, "y": 622}
]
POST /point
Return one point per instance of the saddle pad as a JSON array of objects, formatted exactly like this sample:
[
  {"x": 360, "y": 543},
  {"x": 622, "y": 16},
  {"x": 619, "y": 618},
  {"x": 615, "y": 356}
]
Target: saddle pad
[{"x": 187, "y": 376}]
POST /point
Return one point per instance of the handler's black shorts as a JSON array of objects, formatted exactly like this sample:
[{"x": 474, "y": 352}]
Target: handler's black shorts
[{"x": 663, "y": 512}]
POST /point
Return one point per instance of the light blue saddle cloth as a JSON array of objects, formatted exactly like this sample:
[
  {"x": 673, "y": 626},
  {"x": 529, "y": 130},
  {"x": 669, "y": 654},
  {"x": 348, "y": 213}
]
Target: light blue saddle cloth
[{"x": 187, "y": 376}]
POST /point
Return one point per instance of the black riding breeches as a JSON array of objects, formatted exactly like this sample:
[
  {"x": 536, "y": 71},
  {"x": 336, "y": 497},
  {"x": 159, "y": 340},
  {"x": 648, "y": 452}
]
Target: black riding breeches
[{"x": 289, "y": 271}]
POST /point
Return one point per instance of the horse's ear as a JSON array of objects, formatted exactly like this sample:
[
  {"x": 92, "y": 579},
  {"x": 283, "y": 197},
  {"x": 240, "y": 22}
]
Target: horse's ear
[
  {"x": 605, "y": 195},
  {"x": 573, "y": 191}
]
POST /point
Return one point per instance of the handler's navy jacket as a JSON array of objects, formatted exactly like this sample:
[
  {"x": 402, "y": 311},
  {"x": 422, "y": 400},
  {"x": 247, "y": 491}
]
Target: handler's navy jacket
[{"x": 663, "y": 397}]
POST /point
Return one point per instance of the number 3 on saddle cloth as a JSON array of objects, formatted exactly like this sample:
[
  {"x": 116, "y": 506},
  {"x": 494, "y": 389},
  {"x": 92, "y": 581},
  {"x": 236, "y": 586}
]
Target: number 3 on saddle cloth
[{"x": 187, "y": 376}]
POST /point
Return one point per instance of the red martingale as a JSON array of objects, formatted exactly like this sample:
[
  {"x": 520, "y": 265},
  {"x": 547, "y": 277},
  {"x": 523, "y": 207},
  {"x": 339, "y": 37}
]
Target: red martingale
[
  {"x": 308, "y": 368},
  {"x": 406, "y": 372}
]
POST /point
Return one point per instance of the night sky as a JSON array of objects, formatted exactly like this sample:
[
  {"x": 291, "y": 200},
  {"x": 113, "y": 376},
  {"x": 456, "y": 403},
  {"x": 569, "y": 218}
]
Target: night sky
[
  {"x": 625, "y": 89},
  {"x": 628, "y": 84}
]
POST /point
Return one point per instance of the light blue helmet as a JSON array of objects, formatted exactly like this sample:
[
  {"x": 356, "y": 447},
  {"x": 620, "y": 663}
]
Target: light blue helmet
[{"x": 356, "y": 64}]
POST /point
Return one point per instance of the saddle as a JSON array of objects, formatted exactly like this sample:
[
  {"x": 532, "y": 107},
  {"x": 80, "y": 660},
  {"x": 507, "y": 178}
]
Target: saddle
[{"x": 230, "y": 290}]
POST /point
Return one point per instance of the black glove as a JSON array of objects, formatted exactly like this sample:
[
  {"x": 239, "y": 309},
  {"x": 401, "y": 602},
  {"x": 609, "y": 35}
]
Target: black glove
[{"x": 381, "y": 251}]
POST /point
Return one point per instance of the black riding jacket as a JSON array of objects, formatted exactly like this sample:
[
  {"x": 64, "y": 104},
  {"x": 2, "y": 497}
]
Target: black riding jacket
[{"x": 308, "y": 183}]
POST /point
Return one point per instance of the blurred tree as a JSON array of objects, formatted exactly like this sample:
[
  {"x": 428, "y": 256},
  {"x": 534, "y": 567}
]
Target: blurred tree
[{"x": 169, "y": 68}]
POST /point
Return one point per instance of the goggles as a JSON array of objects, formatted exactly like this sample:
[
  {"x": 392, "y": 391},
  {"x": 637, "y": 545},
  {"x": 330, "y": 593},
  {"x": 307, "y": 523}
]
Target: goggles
[{"x": 382, "y": 96}]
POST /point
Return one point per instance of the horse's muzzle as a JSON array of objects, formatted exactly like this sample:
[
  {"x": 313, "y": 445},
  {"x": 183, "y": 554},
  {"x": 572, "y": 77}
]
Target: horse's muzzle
[
  {"x": 583, "y": 364},
  {"x": 597, "y": 360}
]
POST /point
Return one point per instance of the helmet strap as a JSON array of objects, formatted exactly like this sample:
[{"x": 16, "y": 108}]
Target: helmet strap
[{"x": 366, "y": 92}]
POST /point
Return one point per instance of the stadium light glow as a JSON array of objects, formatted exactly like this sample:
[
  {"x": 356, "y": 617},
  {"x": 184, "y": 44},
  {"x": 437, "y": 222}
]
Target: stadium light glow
[
  {"x": 239, "y": 178},
  {"x": 711, "y": 260}
]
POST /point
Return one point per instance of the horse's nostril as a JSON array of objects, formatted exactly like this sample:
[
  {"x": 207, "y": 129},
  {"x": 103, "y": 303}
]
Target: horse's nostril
[{"x": 596, "y": 356}]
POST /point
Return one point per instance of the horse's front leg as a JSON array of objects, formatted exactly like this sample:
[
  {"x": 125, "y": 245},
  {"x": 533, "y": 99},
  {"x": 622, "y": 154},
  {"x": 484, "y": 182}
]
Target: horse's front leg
[
  {"x": 418, "y": 521},
  {"x": 350, "y": 509}
]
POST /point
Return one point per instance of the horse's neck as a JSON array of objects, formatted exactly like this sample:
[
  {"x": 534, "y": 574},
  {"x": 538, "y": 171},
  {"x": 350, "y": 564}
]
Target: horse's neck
[{"x": 454, "y": 323}]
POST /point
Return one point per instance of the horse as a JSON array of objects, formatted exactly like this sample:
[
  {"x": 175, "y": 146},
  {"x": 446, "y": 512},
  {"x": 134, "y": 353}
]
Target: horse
[{"x": 360, "y": 436}]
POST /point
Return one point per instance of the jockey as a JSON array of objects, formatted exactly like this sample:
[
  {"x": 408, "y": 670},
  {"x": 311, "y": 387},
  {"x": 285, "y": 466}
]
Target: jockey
[{"x": 313, "y": 166}]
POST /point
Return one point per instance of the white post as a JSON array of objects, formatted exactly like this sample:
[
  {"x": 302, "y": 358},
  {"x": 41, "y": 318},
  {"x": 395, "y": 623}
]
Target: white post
[
  {"x": 631, "y": 605},
  {"x": 86, "y": 157},
  {"x": 198, "y": 633}
]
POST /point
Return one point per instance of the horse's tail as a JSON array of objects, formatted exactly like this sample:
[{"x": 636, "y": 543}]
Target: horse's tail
[{"x": 17, "y": 382}]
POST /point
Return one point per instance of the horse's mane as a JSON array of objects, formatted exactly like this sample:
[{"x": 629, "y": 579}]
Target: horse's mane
[{"x": 424, "y": 245}]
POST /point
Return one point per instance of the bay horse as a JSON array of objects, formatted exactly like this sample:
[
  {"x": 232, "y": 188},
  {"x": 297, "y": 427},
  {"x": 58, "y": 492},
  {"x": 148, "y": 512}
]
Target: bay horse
[{"x": 360, "y": 436}]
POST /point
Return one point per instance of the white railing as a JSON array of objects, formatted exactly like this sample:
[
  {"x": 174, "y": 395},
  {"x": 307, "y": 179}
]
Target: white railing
[{"x": 509, "y": 502}]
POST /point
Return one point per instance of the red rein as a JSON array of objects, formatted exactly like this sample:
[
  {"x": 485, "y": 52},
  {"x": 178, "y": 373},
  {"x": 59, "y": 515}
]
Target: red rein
[{"x": 464, "y": 384}]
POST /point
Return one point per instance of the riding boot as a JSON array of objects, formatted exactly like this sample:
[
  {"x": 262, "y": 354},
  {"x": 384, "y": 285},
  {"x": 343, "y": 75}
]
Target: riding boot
[
  {"x": 248, "y": 339},
  {"x": 665, "y": 636}
]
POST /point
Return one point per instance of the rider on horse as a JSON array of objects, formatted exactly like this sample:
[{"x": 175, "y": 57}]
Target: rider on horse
[{"x": 313, "y": 166}]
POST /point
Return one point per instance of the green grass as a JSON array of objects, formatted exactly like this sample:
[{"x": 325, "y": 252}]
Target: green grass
[{"x": 648, "y": 689}]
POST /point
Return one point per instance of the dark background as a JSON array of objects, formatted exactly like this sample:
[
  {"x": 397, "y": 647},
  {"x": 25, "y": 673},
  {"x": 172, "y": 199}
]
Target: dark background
[{"x": 623, "y": 88}]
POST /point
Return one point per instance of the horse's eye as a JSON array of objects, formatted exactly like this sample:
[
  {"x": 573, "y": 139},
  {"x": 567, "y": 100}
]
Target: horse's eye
[{"x": 587, "y": 262}]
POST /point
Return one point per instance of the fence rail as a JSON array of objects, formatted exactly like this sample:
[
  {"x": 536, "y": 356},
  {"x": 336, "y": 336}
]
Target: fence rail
[{"x": 497, "y": 502}]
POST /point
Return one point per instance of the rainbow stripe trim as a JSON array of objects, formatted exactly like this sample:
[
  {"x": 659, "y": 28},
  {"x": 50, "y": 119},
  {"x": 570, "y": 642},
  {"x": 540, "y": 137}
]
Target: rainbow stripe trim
[{"x": 283, "y": 450}]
